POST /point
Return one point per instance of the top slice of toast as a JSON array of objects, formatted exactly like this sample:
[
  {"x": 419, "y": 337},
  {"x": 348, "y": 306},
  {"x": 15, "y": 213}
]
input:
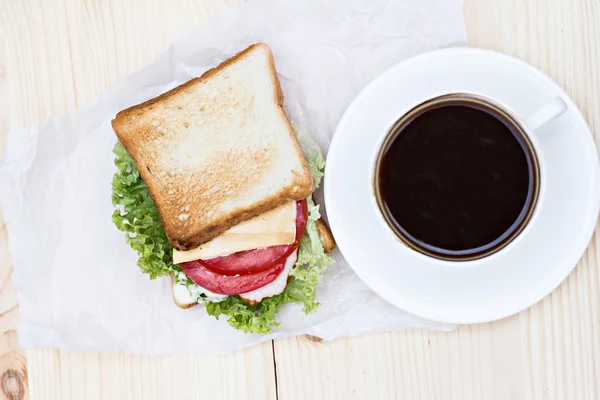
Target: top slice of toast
[{"x": 217, "y": 150}]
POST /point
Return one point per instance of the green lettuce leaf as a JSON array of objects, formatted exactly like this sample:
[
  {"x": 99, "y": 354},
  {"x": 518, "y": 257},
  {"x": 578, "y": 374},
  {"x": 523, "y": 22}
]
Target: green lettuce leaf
[{"x": 136, "y": 214}]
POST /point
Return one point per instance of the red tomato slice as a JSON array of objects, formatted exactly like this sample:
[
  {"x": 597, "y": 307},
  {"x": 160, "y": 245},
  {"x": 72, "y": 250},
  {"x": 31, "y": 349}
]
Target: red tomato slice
[
  {"x": 252, "y": 261},
  {"x": 229, "y": 285}
]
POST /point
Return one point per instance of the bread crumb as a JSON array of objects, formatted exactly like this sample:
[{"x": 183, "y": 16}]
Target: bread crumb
[{"x": 183, "y": 217}]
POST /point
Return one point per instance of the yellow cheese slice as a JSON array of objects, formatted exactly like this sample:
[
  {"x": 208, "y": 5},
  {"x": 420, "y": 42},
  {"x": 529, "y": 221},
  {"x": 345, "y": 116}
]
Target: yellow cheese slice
[{"x": 273, "y": 228}]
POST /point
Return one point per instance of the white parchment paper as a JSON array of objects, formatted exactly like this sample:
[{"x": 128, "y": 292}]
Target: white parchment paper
[{"x": 77, "y": 280}]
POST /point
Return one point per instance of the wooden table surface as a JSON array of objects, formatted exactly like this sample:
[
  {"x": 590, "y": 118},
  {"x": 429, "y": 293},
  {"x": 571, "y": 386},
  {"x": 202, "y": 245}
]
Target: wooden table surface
[{"x": 56, "y": 57}]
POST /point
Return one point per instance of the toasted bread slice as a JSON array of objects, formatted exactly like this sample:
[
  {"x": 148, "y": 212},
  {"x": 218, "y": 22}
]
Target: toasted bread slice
[
  {"x": 325, "y": 235},
  {"x": 217, "y": 150},
  {"x": 328, "y": 245}
]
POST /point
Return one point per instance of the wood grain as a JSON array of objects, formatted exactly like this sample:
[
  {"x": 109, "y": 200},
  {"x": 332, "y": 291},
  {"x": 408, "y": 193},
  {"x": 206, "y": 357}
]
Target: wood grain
[
  {"x": 473, "y": 362},
  {"x": 59, "y": 56},
  {"x": 86, "y": 47},
  {"x": 559, "y": 335},
  {"x": 552, "y": 350},
  {"x": 70, "y": 375},
  {"x": 13, "y": 369}
]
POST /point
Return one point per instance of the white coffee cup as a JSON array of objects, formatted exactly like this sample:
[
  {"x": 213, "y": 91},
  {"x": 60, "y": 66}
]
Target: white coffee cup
[
  {"x": 526, "y": 269},
  {"x": 524, "y": 129}
]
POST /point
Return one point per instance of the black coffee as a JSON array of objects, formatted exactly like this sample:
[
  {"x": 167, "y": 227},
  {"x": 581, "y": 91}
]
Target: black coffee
[{"x": 457, "y": 178}]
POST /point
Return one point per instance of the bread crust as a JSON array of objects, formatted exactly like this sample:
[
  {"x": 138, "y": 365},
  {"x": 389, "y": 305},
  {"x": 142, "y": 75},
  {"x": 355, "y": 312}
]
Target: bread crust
[
  {"x": 178, "y": 304},
  {"x": 325, "y": 236},
  {"x": 189, "y": 235}
]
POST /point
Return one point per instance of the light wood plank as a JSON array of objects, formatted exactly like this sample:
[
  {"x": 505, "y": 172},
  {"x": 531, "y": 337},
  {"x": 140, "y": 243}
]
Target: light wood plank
[
  {"x": 473, "y": 362},
  {"x": 72, "y": 375},
  {"x": 549, "y": 351},
  {"x": 561, "y": 344},
  {"x": 13, "y": 370},
  {"x": 86, "y": 47}
]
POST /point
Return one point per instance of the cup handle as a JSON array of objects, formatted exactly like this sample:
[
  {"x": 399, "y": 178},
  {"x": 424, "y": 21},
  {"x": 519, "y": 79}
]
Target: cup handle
[{"x": 547, "y": 113}]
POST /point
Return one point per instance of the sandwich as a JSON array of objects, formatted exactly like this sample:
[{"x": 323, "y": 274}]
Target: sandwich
[{"x": 214, "y": 190}]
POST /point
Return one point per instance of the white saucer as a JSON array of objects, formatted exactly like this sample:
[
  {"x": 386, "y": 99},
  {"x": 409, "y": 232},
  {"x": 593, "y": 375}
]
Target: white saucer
[{"x": 491, "y": 288}]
